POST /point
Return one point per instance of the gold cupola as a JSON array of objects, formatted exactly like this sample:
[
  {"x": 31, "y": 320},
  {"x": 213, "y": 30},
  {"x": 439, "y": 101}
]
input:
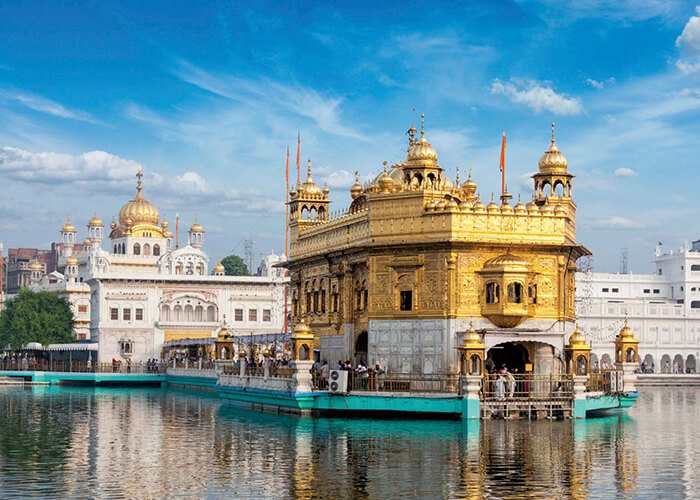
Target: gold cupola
[
  {"x": 87, "y": 242},
  {"x": 471, "y": 353},
  {"x": 553, "y": 161},
  {"x": 139, "y": 210},
  {"x": 469, "y": 187},
  {"x": 95, "y": 221},
  {"x": 553, "y": 182},
  {"x": 68, "y": 227},
  {"x": 356, "y": 189},
  {"x": 577, "y": 353},
  {"x": 310, "y": 188},
  {"x": 385, "y": 182},
  {"x": 421, "y": 152}
]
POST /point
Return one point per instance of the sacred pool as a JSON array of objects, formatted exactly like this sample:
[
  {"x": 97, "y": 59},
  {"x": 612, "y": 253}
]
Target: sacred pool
[{"x": 144, "y": 443}]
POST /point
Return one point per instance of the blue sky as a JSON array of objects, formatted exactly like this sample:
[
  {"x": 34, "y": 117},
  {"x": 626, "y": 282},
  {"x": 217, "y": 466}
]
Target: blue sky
[{"x": 207, "y": 96}]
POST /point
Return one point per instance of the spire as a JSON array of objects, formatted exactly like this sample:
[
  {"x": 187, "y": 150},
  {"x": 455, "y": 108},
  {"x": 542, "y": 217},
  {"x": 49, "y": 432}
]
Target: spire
[
  {"x": 308, "y": 171},
  {"x": 412, "y": 131},
  {"x": 138, "y": 184},
  {"x": 457, "y": 179},
  {"x": 552, "y": 132},
  {"x": 422, "y": 124}
]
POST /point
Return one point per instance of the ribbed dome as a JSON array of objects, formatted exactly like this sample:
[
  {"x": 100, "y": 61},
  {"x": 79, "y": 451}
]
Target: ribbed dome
[
  {"x": 577, "y": 337},
  {"x": 356, "y": 189},
  {"x": 626, "y": 331},
  {"x": 310, "y": 187},
  {"x": 553, "y": 161},
  {"x": 139, "y": 211},
  {"x": 68, "y": 227},
  {"x": 507, "y": 259},
  {"x": 469, "y": 185},
  {"x": 471, "y": 337},
  {"x": 196, "y": 227},
  {"x": 421, "y": 152}
]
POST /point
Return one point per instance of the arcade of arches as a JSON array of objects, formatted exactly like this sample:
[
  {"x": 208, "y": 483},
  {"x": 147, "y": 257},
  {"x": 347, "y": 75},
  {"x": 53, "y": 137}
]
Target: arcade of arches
[{"x": 519, "y": 357}]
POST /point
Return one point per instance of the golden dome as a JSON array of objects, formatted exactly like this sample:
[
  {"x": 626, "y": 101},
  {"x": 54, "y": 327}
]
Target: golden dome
[
  {"x": 532, "y": 207},
  {"x": 520, "y": 208},
  {"x": 95, "y": 221},
  {"x": 223, "y": 333},
  {"x": 302, "y": 330},
  {"x": 219, "y": 267},
  {"x": 356, "y": 189},
  {"x": 471, "y": 337},
  {"x": 36, "y": 266},
  {"x": 626, "y": 331},
  {"x": 492, "y": 207},
  {"x": 553, "y": 161},
  {"x": 310, "y": 187},
  {"x": 68, "y": 227},
  {"x": 430, "y": 205},
  {"x": 547, "y": 209},
  {"x": 452, "y": 204},
  {"x": 164, "y": 223},
  {"x": 469, "y": 185},
  {"x": 325, "y": 189},
  {"x": 559, "y": 210},
  {"x": 479, "y": 206},
  {"x": 112, "y": 225},
  {"x": 385, "y": 182},
  {"x": 421, "y": 152},
  {"x": 138, "y": 210},
  {"x": 196, "y": 227},
  {"x": 71, "y": 261},
  {"x": 577, "y": 337},
  {"x": 87, "y": 242}
]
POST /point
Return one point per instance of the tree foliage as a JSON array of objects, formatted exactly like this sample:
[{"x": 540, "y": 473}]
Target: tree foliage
[
  {"x": 31, "y": 316},
  {"x": 235, "y": 266}
]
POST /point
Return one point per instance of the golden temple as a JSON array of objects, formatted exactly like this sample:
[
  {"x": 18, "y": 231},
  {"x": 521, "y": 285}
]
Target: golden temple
[{"x": 396, "y": 278}]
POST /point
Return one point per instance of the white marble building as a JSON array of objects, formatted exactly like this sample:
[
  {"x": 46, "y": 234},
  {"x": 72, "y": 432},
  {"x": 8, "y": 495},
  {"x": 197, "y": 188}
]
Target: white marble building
[
  {"x": 663, "y": 308},
  {"x": 145, "y": 291}
]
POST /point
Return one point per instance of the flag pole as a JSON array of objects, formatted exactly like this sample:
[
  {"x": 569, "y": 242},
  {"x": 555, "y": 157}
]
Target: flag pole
[
  {"x": 298, "y": 149},
  {"x": 503, "y": 164}
]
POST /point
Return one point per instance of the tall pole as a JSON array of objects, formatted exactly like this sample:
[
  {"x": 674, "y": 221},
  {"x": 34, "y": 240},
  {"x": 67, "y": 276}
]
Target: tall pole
[
  {"x": 503, "y": 164},
  {"x": 286, "y": 244},
  {"x": 2, "y": 265},
  {"x": 298, "y": 149}
]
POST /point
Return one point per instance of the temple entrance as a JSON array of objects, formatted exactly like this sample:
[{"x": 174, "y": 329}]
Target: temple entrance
[
  {"x": 514, "y": 356},
  {"x": 361, "y": 348}
]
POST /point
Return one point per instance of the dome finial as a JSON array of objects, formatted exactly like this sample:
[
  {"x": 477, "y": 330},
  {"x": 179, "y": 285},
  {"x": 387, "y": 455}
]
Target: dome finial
[
  {"x": 422, "y": 124},
  {"x": 138, "y": 184},
  {"x": 308, "y": 169},
  {"x": 552, "y": 132},
  {"x": 457, "y": 180},
  {"x": 385, "y": 166}
]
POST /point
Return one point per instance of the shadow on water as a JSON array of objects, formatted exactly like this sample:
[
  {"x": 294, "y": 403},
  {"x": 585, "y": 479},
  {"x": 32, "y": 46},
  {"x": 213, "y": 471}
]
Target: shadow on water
[{"x": 85, "y": 442}]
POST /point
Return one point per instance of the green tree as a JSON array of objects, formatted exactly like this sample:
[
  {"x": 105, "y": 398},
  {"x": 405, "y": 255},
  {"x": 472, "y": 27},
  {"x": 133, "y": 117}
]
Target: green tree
[
  {"x": 36, "y": 317},
  {"x": 235, "y": 266}
]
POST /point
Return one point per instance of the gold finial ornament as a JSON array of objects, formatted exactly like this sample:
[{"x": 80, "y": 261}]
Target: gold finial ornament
[
  {"x": 139, "y": 175},
  {"x": 421, "y": 153},
  {"x": 356, "y": 189},
  {"x": 385, "y": 182},
  {"x": 457, "y": 178},
  {"x": 553, "y": 161}
]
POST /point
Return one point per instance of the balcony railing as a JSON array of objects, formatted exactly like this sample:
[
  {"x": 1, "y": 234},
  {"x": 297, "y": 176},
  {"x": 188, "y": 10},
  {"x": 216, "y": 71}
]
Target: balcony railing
[{"x": 275, "y": 371}]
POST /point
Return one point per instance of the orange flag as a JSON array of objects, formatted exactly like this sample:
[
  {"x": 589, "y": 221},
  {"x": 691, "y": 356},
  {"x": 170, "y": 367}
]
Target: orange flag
[
  {"x": 503, "y": 163},
  {"x": 298, "y": 171}
]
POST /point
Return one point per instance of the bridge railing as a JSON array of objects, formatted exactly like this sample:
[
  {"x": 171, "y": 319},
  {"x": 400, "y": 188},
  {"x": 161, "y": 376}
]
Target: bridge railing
[
  {"x": 526, "y": 386},
  {"x": 409, "y": 382},
  {"x": 79, "y": 366}
]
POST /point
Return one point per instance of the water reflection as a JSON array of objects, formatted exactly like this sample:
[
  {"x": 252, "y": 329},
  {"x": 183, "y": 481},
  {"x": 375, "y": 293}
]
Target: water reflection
[{"x": 153, "y": 443}]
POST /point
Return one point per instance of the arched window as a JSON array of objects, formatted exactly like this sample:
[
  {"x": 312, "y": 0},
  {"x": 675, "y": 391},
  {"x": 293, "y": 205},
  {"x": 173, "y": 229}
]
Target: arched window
[
  {"x": 200, "y": 269},
  {"x": 532, "y": 293},
  {"x": 304, "y": 353},
  {"x": 493, "y": 293},
  {"x": 321, "y": 213},
  {"x": 312, "y": 213},
  {"x": 581, "y": 365},
  {"x": 558, "y": 189},
  {"x": 515, "y": 294},
  {"x": 189, "y": 313},
  {"x": 165, "y": 313},
  {"x": 156, "y": 250},
  {"x": 199, "y": 314},
  {"x": 123, "y": 248},
  {"x": 147, "y": 249},
  {"x": 304, "y": 212},
  {"x": 178, "y": 313},
  {"x": 137, "y": 249},
  {"x": 211, "y": 314}
]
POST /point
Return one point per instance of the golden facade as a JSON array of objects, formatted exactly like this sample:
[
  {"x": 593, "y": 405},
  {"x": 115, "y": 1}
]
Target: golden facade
[{"x": 418, "y": 251}]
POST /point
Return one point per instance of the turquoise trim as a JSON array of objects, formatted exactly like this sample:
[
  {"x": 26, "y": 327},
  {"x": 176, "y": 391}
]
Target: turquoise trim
[
  {"x": 97, "y": 378},
  {"x": 193, "y": 381}
]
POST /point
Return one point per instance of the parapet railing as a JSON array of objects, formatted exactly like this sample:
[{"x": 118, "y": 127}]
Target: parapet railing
[
  {"x": 526, "y": 386},
  {"x": 192, "y": 364},
  {"x": 274, "y": 370},
  {"x": 80, "y": 366},
  {"x": 372, "y": 381}
]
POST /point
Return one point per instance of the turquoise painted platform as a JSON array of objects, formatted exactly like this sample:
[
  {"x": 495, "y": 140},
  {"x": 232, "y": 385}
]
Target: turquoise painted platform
[{"x": 96, "y": 378}]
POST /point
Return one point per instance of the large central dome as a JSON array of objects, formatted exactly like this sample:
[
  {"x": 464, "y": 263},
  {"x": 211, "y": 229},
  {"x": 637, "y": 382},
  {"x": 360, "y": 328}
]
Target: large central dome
[{"x": 138, "y": 210}]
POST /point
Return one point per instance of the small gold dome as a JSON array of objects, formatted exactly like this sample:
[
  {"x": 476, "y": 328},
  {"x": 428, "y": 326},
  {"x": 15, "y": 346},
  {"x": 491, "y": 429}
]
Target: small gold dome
[
  {"x": 547, "y": 209},
  {"x": 87, "y": 242},
  {"x": 421, "y": 152},
  {"x": 626, "y": 331},
  {"x": 430, "y": 205},
  {"x": 36, "y": 266},
  {"x": 559, "y": 210},
  {"x": 326, "y": 190},
  {"x": 310, "y": 187},
  {"x": 71, "y": 261},
  {"x": 164, "y": 223},
  {"x": 95, "y": 221},
  {"x": 302, "y": 329},
  {"x": 520, "y": 208},
  {"x": 112, "y": 225},
  {"x": 577, "y": 338},
  {"x": 68, "y": 227},
  {"x": 356, "y": 189},
  {"x": 385, "y": 182},
  {"x": 196, "y": 227},
  {"x": 471, "y": 337},
  {"x": 223, "y": 333},
  {"x": 469, "y": 186},
  {"x": 532, "y": 207},
  {"x": 452, "y": 204},
  {"x": 492, "y": 207},
  {"x": 553, "y": 161},
  {"x": 219, "y": 267},
  {"x": 479, "y": 206}
]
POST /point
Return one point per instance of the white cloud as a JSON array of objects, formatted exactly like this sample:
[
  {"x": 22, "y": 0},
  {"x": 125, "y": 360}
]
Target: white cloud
[
  {"x": 625, "y": 172},
  {"x": 595, "y": 83},
  {"x": 303, "y": 101},
  {"x": 689, "y": 41},
  {"x": 613, "y": 222},
  {"x": 537, "y": 97},
  {"x": 43, "y": 105}
]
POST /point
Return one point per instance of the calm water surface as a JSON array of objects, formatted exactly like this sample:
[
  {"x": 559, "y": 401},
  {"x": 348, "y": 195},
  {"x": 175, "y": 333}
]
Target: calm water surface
[{"x": 145, "y": 443}]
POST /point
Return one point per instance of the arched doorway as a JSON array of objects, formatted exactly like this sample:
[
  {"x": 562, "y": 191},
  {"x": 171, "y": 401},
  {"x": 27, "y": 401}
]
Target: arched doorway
[
  {"x": 361, "y": 345},
  {"x": 594, "y": 361},
  {"x": 648, "y": 362},
  {"x": 678, "y": 364},
  {"x": 690, "y": 365},
  {"x": 513, "y": 355}
]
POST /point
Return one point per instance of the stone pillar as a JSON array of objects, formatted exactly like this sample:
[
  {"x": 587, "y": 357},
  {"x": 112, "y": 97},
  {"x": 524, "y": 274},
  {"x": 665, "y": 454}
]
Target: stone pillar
[
  {"x": 302, "y": 377},
  {"x": 579, "y": 390},
  {"x": 629, "y": 377},
  {"x": 471, "y": 397}
]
